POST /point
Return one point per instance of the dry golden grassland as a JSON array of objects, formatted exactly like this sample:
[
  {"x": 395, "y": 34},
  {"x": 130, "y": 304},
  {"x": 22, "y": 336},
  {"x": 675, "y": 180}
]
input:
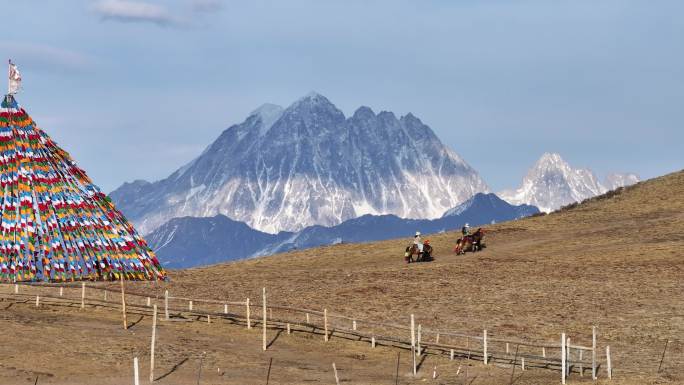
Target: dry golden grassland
[{"x": 615, "y": 262}]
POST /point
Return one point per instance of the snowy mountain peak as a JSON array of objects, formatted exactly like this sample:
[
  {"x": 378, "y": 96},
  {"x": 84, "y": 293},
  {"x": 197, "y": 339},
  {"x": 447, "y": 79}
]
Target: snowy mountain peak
[
  {"x": 551, "y": 157},
  {"x": 312, "y": 110},
  {"x": 313, "y": 166},
  {"x": 313, "y": 95},
  {"x": 267, "y": 114},
  {"x": 313, "y": 99},
  {"x": 364, "y": 113},
  {"x": 411, "y": 118},
  {"x": 550, "y": 160},
  {"x": 552, "y": 183},
  {"x": 388, "y": 117},
  {"x": 616, "y": 180}
]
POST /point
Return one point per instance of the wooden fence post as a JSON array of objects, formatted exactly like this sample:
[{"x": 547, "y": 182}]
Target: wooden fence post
[
  {"x": 82, "y": 295},
  {"x": 522, "y": 363},
  {"x": 123, "y": 305},
  {"x": 16, "y": 288},
  {"x": 166, "y": 304},
  {"x": 249, "y": 321},
  {"x": 568, "y": 357},
  {"x": 563, "y": 357},
  {"x": 581, "y": 366},
  {"x": 288, "y": 328},
  {"x": 544, "y": 352},
  {"x": 593, "y": 352},
  {"x": 307, "y": 318},
  {"x": 149, "y": 301},
  {"x": 608, "y": 363},
  {"x": 152, "y": 343},
  {"x": 37, "y": 300},
  {"x": 354, "y": 325},
  {"x": 105, "y": 295},
  {"x": 264, "y": 323},
  {"x": 325, "y": 325},
  {"x": 61, "y": 291},
  {"x": 420, "y": 332},
  {"x": 372, "y": 341},
  {"x": 484, "y": 346},
  {"x": 136, "y": 378},
  {"x": 437, "y": 339},
  {"x": 225, "y": 308},
  {"x": 451, "y": 355},
  {"x": 190, "y": 305},
  {"x": 413, "y": 343},
  {"x": 337, "y": 379}
]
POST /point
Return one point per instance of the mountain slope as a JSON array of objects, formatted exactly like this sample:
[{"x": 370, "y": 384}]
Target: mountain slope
[
  {"x": 481, "y": 209},
  {"x": 552, "y": 183},
  {"x": 309, "y": 164},
  {"x": 203, "y": 241},
  {"x": 614, "y": 261},
  {"x": 187, "y": 242}
]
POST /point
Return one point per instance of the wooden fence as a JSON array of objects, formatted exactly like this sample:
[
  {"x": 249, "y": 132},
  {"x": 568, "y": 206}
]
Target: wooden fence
[{"x": 561, "y": 355}]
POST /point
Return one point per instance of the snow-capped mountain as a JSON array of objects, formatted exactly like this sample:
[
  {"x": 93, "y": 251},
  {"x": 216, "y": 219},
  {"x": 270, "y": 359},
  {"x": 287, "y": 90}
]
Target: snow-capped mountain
[
  {"x": 615, "y": 180},
  {"x": 552, "y": 183},
  {"x": 285, "y": 169},
  {"x": 187, "y": 242}
]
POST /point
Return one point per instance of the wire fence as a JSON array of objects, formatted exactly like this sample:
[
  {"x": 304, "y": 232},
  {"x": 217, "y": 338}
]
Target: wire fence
[{"x": 560, "y": 355}]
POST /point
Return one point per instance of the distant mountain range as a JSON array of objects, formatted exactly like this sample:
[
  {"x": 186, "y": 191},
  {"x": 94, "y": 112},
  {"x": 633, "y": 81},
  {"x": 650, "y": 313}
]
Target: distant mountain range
[
  {"x": 186, "y": 242},
  {"x": 552, "y": 183},
  {"x": 308, "y": 164},
  {"x": 306, "y": 176}
]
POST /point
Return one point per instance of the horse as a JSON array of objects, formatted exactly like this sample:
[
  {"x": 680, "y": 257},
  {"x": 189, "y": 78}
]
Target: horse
[
  {"x": 413, "y": 249},
  {"x": 472, "y": 242}
]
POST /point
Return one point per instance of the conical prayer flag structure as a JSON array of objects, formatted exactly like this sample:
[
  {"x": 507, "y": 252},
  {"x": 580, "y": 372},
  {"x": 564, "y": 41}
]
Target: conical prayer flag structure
[{"x": 56, "y": 224}]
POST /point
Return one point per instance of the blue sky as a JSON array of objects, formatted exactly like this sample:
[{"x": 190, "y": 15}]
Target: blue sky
[{"x": 134, "y": 89}]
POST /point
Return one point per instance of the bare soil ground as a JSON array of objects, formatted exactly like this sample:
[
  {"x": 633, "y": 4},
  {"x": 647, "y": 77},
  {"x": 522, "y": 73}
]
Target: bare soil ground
[{"x": 615, "y": 262}]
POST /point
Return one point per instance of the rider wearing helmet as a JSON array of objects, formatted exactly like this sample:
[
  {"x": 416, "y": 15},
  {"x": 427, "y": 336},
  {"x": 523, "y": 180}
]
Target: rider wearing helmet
[
  {"x": 417, "y": 241},
  {"x": 465, "y": 230}
]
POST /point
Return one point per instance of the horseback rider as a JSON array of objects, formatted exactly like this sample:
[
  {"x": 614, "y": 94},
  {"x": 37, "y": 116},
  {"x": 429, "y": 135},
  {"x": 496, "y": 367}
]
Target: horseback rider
[
  {"x": 465, "y": 230},
  {"x": 418, "y": 242}
]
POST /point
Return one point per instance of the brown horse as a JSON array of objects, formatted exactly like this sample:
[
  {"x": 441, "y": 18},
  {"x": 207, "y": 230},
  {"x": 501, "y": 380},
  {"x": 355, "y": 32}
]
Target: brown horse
[
  {"x": 413, "y": 249},
  {"x": 473, "y": 242}
]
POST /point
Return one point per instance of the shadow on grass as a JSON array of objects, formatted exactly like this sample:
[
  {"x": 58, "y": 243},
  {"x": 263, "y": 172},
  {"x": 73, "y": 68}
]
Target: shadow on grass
[
  {"x": 136, "y": 322},
  {"x": 280, "y": 331},
  {"x": 173, "y": 369}
]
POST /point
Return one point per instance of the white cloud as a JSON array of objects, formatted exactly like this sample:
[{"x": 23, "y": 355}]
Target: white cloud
[
  {"x": 134, "y": 11},
  {"x": 46, "y": 57}
]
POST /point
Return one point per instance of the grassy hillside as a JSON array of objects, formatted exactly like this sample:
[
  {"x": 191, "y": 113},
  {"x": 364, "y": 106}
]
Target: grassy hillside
[{"x": 615, "y": 262}]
